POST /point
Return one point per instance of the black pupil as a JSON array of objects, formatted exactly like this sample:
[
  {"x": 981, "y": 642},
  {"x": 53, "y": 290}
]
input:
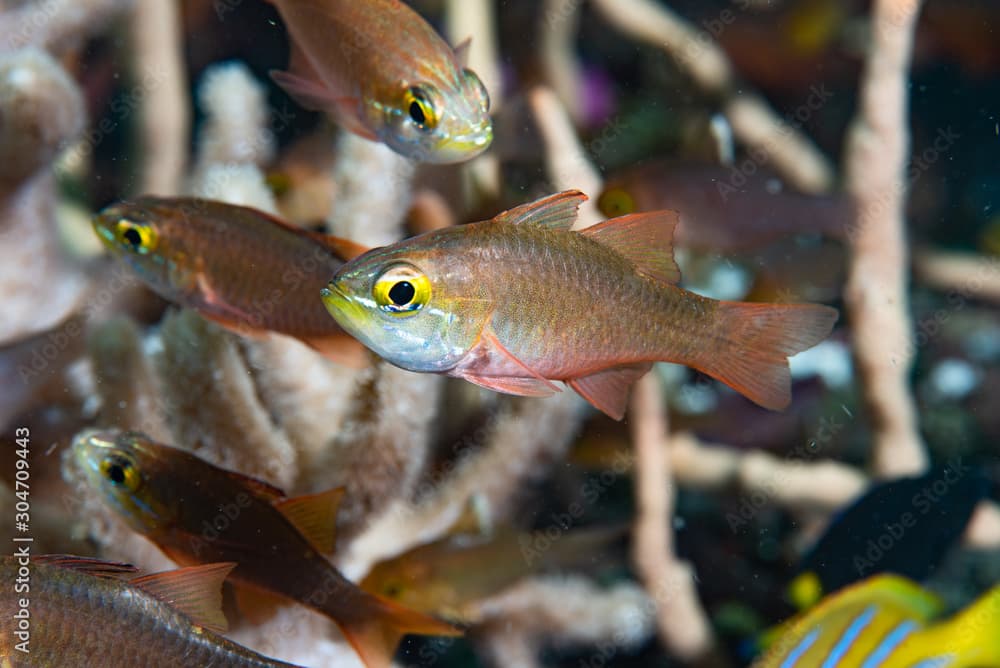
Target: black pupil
[
  {"x": 402, "y": 293},
  {"x": 417, "y": 113},
  {"x": 116, "y": 473},
  {"x": 133, "y": 237}
]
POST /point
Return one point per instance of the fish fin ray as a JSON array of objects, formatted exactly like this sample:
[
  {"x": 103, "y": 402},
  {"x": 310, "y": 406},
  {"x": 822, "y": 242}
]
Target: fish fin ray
[
  {"x": 262, "y": 490},
  {"x": 462, "y": 52},
  {"x": 96, "y": 567},
  {"x": 523, "y": 387},
  {"x": 315, "y": 516},
  {"x": 316, "y": 96},
  {"x": 195, "y": 591},
  {"x": 375, "y": 639},
  {"x": 753, "y": 360},
  {"x": 533, "y": 384},
  {"x": 557, "y": 212},
  {"x": 644, "y": 239},
  {"x": 608, "y": 390}
]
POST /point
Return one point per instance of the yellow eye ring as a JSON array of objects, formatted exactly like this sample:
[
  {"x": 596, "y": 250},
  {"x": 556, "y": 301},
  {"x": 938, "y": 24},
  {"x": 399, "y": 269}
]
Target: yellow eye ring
[
  {"x": 402, "y": 290},
  {"x": 418, "y": 106},
  {"x": 615, "y": 202},
  {"x": 120, "y": 471},
  {"x": 137, "y": 237}
]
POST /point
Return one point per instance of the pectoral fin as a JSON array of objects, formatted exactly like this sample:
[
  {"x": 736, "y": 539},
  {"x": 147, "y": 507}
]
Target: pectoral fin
[
  {"x": 491, "y": 355},
  {"x": 608, "y": 390}
]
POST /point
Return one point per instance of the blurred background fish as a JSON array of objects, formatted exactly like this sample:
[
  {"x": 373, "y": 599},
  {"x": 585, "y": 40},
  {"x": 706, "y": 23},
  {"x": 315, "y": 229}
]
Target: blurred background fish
[{"x": 889, "y": 621}]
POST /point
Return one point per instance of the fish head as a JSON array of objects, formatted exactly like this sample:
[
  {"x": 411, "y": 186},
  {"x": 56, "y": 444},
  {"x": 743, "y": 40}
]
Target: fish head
[
  {"x": 119, "y": 466},
  {"x": 140, "y": 233},
  {"x": 439, "y": 124},
  {"x": 415, "y": 308},
  {"x": 405, "y": 579}
]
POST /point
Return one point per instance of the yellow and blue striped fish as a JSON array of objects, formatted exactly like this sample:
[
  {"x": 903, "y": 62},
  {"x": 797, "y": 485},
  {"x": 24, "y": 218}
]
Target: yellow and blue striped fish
[{"x": 887, "y": 622}]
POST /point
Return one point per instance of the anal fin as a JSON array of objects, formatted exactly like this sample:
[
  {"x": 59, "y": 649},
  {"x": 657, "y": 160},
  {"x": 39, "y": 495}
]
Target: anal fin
[
  {"x": 608, "y": 390},
  {"x": 194, "y": 591}
]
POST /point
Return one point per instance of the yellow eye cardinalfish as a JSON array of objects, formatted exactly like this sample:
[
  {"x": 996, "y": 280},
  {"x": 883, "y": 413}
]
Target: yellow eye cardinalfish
[
  {"x": 723, "y": 210},
  {"x": 520, "y": 301},
  {"x": 383, "y": 73},
  {"x": 448, "y": 576},
  {"x": 198, "y": 513},
  {"x": 240, "y": 267},
  {"x": 886, "y": 622},
  {"x": 77, "y": 611}
]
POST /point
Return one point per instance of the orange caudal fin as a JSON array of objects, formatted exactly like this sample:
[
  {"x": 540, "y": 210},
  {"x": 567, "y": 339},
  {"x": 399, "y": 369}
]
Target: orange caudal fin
[
  {"x": 759, "y": 339},
  {"x": 376, "y": 638}
]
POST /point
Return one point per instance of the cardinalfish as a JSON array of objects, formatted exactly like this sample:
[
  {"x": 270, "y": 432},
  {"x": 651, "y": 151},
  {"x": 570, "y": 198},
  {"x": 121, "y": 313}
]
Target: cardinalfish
[
  {"x": 198, "y": 513},
  {"x": 87, "y": 612},
  {"x": 904, "y": 526},
  {"x": 521, "y": 301},
  {"x": 723, "y": 210},
  {"x": 887, "y": 621},
  {"x": 382, "y": 73},
  {"x": 239, "y": 267},
  {"x": 449, "y": 576}
]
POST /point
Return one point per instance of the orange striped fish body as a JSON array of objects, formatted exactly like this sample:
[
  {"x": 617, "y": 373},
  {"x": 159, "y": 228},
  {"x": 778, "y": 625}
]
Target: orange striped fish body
[
  {"x": 886, "y": 622},
  {"x": 521, "y": 301},
  {"x": 85, "y": 612},
  {"x": 196, "y": 512},
  {"x": 383, "y": 73},
  {"x": 235, "y": 265}
]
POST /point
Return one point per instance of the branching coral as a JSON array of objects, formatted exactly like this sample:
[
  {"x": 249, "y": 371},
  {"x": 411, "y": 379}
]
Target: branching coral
[
  {"x": 42, "y": 111},
  {"x": 875, "y": 294},
  {"x": 753, "y": 121}
]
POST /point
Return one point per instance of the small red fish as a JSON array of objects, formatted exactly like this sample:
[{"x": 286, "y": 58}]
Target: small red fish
[{"x": 522, "y": 301}]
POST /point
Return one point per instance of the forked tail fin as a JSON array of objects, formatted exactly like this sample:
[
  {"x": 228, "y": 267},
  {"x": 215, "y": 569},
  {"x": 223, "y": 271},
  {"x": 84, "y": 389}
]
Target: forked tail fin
[
  {"x": 376, "y": 637},
  {"x": 756, "y": 342}
]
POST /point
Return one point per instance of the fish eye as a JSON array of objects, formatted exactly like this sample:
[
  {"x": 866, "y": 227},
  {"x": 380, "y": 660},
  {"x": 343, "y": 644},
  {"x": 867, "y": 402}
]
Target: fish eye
[
  {"x": 120, "y": 472},
  {"x": 392, "y": 590},
  {"x": 402, "y": 290},
  {"x": 418, "y": 105},
  {"x": 615, "y": 202},
  {"x": 138, "y": 237},
  {"x": 473, "y": 80}
]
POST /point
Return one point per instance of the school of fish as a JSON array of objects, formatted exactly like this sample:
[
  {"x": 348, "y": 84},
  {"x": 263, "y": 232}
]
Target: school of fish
[{"x": 517, "y": 304}]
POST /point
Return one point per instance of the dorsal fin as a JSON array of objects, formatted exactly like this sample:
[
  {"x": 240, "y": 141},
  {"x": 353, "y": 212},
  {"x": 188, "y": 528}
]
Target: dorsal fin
[
  {"x": 96, "y": 567},
  {"x": 315, "y": 516},
  {"x": 462, "y": 53},
  {"x": 262, "y": 490},
  {"x": 195, "y": 591},
  {"x": 345, "y": 249},
  {"x": 644, "y": 239},
  {"x": 557, "y": 211}
]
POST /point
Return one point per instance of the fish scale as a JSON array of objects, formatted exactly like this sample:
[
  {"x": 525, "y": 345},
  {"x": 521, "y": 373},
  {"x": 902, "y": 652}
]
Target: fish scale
[{"x": 124, "y": 626}]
